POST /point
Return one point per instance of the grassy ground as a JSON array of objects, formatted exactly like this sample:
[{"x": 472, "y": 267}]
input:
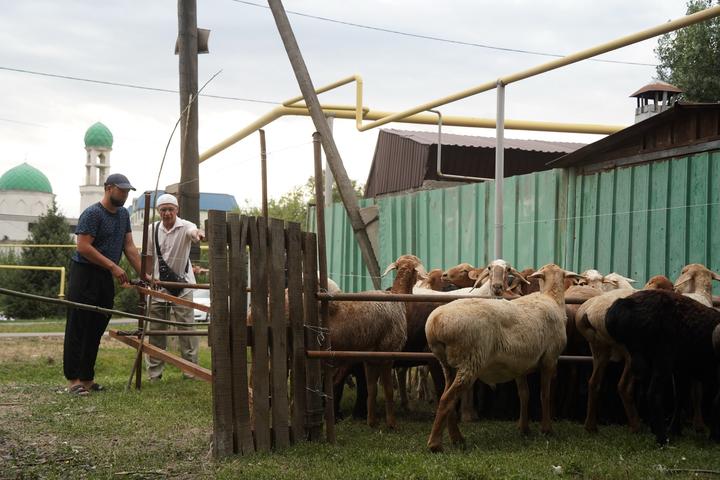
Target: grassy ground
[{"x": 164, "y": 432}]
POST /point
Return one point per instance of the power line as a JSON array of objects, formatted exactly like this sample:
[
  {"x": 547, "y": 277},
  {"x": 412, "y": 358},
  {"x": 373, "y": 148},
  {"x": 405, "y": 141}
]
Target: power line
[
  {"x": 19, "y": 122},
  {"x": 440, "y": 39},
  {"x": 130, "y": 85}
]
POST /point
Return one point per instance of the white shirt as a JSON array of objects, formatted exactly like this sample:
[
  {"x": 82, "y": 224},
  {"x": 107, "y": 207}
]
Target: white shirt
[{"x": 175, "y": 244}]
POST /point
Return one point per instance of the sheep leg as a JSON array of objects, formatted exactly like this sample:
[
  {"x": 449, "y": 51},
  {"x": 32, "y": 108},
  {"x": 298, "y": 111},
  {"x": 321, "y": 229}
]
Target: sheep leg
[
  {"x": 715, "y": 421},
  {"x": 524, "y": 396},
  {"x": 655, "y": 400},
  {"x": 372, "y": 373},
  {"x": 386, "y": 372},
  {"x": 445, "y": 410},
  {"x": 697, "y": 401},
  {"x": 625, "y": 390},
  {"x": 467, "y": 408},
  {"x": 601, "y": 357},
  {"x": 402, "y": 387},
  {"x": 546, "y": 379},
  {"x": 682, "y": 401}
]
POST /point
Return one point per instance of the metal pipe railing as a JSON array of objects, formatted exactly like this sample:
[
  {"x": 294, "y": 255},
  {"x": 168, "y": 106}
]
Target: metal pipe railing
[{"x": 61, "y": 293}]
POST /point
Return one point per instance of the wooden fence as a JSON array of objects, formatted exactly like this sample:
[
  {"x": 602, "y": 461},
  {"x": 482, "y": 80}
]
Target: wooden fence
[{"x": 264, "y": 410}]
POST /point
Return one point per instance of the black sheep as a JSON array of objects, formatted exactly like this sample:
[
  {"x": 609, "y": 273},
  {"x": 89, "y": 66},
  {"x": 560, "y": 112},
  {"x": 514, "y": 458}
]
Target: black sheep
[{"x": 670, "y": 337}]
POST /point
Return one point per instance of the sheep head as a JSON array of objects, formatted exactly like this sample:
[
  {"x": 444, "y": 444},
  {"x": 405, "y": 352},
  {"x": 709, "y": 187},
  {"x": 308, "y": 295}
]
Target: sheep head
[
  {"x": 592, "y": 278},
  {"x": 695, "y": 278},
  {"x": 658, "y": 282},
  {"x": 409, "y": 269},
  {"x": 459, "y": 275},
  {"x": 614, "y": 281},
  {"x": 434, "y": 281},
  {"x": 497, "y": 273},
  {"x": 520, "y": 284},
  {"x": 552, "y": 280}
]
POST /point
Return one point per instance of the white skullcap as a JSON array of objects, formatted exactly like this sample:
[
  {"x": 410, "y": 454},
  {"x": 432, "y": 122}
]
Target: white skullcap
[{"x": 165, "y": 199}]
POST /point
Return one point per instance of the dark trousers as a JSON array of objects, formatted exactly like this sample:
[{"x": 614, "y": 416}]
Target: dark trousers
[{"x": 83, "y": 330}]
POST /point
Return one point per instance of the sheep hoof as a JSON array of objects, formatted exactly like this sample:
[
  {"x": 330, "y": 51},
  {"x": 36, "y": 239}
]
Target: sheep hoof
[
  {"x": 435, "y": 447},
  {"x": 459, "y": 443},
  {"x": 591, "y": 428},
  {"x": 392, "y": 425}
]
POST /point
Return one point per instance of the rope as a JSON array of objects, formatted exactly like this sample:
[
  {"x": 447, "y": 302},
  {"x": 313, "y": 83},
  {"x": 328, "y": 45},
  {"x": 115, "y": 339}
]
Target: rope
[{"x": 93, "y": 308}]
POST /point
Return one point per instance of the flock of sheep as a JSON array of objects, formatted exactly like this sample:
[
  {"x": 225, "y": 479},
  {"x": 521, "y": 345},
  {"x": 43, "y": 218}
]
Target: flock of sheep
[{"x": 667, "y": 334}]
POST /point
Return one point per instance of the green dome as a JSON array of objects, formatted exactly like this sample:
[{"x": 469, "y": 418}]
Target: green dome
[
  {"x": 25, "y": 177},
  {"x": 98, "y": 135}
]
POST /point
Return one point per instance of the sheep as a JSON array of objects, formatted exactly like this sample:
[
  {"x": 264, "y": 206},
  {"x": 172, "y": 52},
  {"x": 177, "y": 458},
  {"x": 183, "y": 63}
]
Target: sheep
[
  {"x": 590, "y": 322},
  {"x": 498, "y": 341},
  {"x": 695, "y": 281},
  {"x": 660, "y": 282},
  {"x": 433, "y": 281},
  {"x": 670, "y": 340},
  {"x": 493, "y": 279},
  {"x": 614, "y": 281}
]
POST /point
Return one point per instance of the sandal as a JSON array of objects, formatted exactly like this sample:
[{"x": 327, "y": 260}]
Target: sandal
[
  {"x": 96, "y": 387},
  {"x": 78, "y": 390}
]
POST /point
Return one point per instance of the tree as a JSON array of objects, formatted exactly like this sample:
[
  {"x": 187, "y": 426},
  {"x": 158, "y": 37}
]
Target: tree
[
  {"x": 293, "y": 206},
  {"x": 51, "y": 228},
  {"x": 690, "y": 57}
]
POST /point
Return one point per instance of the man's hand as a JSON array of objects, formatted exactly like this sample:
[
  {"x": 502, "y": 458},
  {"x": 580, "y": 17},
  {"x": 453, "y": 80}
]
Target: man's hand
[
  {"x": 199, "y": 235},
  {"x": 119, "y": 274}
]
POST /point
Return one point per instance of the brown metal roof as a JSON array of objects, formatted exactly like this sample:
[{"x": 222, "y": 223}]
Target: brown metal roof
[
  {"x": 431, "y": 138},
  {"x": 658, "y": 86}
]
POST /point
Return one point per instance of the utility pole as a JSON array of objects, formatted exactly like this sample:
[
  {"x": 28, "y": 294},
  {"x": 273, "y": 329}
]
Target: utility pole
[
  {"x": 189, "y": 187},
  {"x": 334, "y": 161}
]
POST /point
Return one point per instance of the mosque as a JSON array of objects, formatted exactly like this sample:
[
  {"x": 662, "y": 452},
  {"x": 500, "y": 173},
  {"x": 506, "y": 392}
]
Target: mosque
[{"x": 26, "y": 193}]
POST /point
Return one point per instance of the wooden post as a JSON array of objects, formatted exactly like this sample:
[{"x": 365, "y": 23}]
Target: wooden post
[
  {"x": 238, "y": 333},
  {"x": 278, "y": 350},
  {"x": 263, "y": 173},
  {"x": 189, "y": 187},
  {"x": 220, "y": 336},
  {"x": 314, "y": 416},
  {"x": 347, "y": 194},
  {"x": 328, "y": 370},
  {"x": 143, "y": 299},
  {"x": 259, "y": 305},
  {"x": 297, "y": 320}
]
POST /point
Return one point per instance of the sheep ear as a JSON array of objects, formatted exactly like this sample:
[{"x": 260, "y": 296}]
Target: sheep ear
[
  {"x": 715, "y": 276},
  {"x": 518, "y": 275},
  {"x": 421, "y": 271},
  {"x": 574, "y": 275},
  {"x": 682, "y": 279},
  {"x": 478, "y": 274},
  {"x": 629, "y": 280},
  {"x": 612, "y": 282},
  {"x": 390, "y": 267},
  {"x": 538, "y": 274}
]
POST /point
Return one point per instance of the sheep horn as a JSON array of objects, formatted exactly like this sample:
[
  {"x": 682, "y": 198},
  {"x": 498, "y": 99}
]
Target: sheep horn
[
  {"x": 715, "y": 276},
  {"x": 682, "y": 279},
  {"x": 518, "y": 275},
  {"x": 390, "y": 267}
]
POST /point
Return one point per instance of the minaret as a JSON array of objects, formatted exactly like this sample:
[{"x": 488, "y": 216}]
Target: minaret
[
  {"x": 654, "y": 98},
  {"x": 98, "y": 145}
]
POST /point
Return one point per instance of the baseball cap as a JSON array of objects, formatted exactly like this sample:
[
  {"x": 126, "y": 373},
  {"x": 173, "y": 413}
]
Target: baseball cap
[
  {"x": 119, "y": 180},
  {"x": 165, "y": 199}
]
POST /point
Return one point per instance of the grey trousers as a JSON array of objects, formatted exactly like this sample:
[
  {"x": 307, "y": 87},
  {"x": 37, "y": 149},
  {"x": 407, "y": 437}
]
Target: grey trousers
[{"x": 178, "y": 313}]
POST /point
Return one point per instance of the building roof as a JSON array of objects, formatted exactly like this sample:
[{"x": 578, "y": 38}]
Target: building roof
[
  {"x": 431, "y": 138},
  {"x": 98, "y": 135},
  {"x": 208, "y": 201},
  {"x": 25, "y": 177},
  {"x": 707, "y": 127}
]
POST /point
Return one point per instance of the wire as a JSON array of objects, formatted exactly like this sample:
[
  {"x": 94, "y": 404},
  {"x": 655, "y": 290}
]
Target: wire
[
  {"x": 130, "y": 85},
  {"x": 440, "y": 39},
  {"x": 22, "y": 123}
]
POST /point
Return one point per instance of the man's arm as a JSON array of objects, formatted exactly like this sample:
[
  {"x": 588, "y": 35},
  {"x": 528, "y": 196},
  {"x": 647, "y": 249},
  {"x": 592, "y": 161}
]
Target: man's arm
[
  {"x": 86, "y": 249},
  {"x": 131, "y": 252}
]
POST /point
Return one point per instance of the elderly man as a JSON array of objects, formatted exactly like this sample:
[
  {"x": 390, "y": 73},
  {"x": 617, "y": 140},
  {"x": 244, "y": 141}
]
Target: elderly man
[{"x": 169, "y": 248}]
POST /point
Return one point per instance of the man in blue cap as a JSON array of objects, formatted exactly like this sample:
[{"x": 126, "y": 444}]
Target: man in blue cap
[{"x": 103, "y": 235}]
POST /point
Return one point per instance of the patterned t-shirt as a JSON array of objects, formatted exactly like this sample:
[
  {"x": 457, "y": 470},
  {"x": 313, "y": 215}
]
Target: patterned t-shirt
[{"x": 108, "y": 230}]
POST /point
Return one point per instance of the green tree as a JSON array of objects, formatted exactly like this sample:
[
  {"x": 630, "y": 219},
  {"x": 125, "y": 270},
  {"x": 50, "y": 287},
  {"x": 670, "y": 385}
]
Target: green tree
[
  {"x": 51, "y": 228},
  {"x": 293, "y": 205},
  {"x": 690, "y": 57}
]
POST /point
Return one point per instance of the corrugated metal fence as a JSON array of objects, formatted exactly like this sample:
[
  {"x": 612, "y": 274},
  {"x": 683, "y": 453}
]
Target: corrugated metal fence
[{"x": 638, "y": 221}]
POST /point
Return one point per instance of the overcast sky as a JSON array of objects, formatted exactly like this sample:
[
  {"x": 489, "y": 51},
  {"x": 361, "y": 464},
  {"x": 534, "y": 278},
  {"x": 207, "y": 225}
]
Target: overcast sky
[{"x": 43, "y": 119}]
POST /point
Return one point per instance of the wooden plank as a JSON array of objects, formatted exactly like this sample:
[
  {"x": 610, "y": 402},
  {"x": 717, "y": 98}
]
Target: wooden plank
[
  {"x": 219, "y": 336},
  {"x": 639, "y": 221},
  {"x": 185, "y": 366},
  {"x": 278, "y": 350},
  {"x": 658, "y": 220},
  {"x": 699, "y": 209},
  {"x": 295, "y": 312},
  {"x": 243, "y": 437},
  {"x": 678, "y": 231},
  {"x": 314, "y": 406},
  {"x": 171, "y": 298},
  {"x": 605, "y": 222},
  {"x": 258, "y": 300}
]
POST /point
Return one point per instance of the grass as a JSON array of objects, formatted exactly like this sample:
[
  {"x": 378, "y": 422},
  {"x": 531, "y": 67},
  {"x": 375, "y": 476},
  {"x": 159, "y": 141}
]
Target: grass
[{"x": 164, "y": 432}]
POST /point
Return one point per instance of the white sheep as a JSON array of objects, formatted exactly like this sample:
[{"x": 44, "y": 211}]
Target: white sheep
[
  {"x": 497, "y": 341},
  {"x": 695, "y": 281}
]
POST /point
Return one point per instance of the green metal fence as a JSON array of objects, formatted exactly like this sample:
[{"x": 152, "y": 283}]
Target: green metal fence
[{"x": 638, "y": 221}]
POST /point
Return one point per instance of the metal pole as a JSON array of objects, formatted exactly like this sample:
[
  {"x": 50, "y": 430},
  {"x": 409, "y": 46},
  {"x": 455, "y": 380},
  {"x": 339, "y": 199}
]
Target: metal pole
[
  {"x": 347, "y": 194},
  {"x": 189, "y": 187},
  {"x": 499, "y": 168},
  {"x": 143, "y": 299},
  {"x": 328, "y": 174},
  {"x": 263, "y": 173}
]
